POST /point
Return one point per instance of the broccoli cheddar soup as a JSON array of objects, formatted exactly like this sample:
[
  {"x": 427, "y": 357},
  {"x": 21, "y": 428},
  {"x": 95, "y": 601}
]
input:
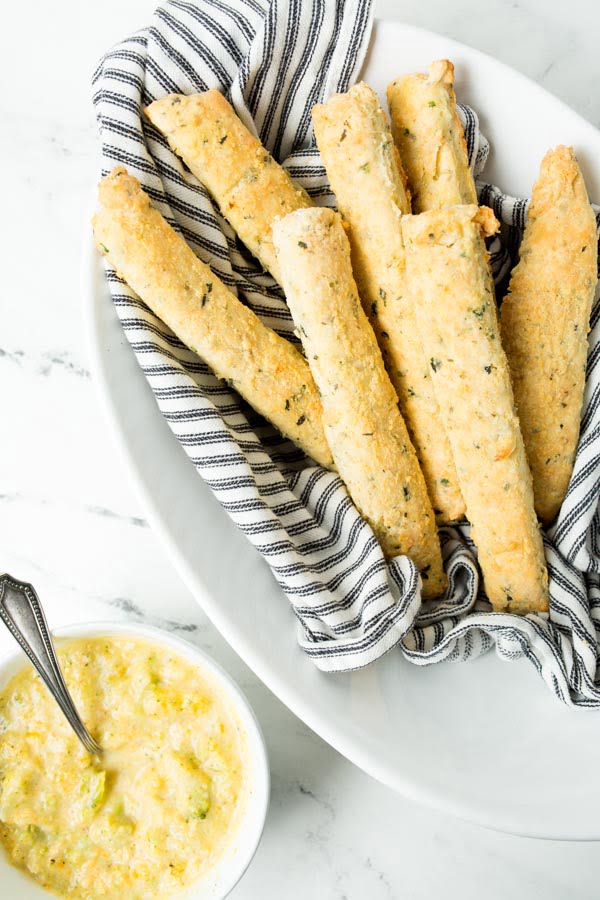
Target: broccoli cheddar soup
[{"x": 155, "y": 811}]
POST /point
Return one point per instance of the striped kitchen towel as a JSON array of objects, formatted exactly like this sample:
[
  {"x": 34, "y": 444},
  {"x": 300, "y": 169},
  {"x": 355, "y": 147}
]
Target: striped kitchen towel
[{"x": 274, "y": 60}]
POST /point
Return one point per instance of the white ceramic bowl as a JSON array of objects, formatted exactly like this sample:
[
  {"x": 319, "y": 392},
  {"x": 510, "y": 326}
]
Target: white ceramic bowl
[{"x": 223, "y": 877}]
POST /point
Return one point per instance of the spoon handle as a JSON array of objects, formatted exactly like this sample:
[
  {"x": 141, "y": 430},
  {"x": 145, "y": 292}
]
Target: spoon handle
[{"x": 21, "y": 612}]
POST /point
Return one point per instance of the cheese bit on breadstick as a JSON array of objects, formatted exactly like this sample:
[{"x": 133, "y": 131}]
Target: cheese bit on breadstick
[
  {"x": 430, "y": 138},
  {"x": 367, "y": 435},
  {"x": 363, "y": 167},
  {"x": 250, "y": 188},
  {"x": 545, "y": 319},
  {"x": 155, "y": 261},
  {"x": 450, "y": 280}
]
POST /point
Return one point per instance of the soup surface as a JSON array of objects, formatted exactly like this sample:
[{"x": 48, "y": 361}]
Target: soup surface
[{"x": 156, "y": 810}]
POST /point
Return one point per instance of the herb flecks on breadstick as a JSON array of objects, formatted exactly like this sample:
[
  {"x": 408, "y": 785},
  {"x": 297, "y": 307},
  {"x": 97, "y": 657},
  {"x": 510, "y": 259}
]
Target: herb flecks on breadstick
[
  {"x": 355, "y": 143},
  {"x": 450, "y": 280},
  {"x": 155, "y": 261},
  {"x": 545, "y": 321},
  {"x": 430, "y": 138},
  {"x": 251, "y": 189},
  {"x": 365, "y": 430}
]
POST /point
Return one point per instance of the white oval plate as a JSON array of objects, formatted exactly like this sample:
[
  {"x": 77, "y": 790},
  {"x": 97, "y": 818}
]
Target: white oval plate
[{"x": 484, "y": 740}]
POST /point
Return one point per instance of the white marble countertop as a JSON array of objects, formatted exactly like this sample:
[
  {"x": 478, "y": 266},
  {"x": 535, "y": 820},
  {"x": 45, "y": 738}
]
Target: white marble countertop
[{"x": 70, "y": 522}]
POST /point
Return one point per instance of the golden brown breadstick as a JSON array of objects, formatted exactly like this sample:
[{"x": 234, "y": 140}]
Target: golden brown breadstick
[
  {"x": 545, "y": 320},
  {"x": 251, "y": 189},
  {"x": 362, "y": 163},
  {"x": 449, "y": 277},
  {"x": 366, "y": 433},
  {"x": 430, "y": 137},
  {"x": 155, "y": 261}
]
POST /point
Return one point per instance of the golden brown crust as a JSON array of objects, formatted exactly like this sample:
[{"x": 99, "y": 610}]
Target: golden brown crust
[
  {"x": 366, "y": 433},
  {"x": 249, "y": 186},
  {"x": 487, "y": 221},
  {"x": 450, "y": 280},
  {"x": 155, "y": 261},
  {"x": 545, "y": 321},
  {"x": 430, "y": 137},
  {"x": 362, "y": 163}
]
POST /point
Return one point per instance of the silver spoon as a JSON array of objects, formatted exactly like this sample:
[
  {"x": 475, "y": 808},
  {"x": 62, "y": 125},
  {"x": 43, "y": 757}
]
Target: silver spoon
[{"x": 22, "y": 613}]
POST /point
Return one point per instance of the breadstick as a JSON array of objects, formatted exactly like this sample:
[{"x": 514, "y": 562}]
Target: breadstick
[
  {"x": 430, "y": 137},
  {"x": 367, "y": 435},
  {"x": 249, "y": 186},
  {"x": 545, "y": 319},
  {"x": 155, "y": 261},
  {"x": 362, "y": 163},
  {"x": 450, "y": 280}
]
